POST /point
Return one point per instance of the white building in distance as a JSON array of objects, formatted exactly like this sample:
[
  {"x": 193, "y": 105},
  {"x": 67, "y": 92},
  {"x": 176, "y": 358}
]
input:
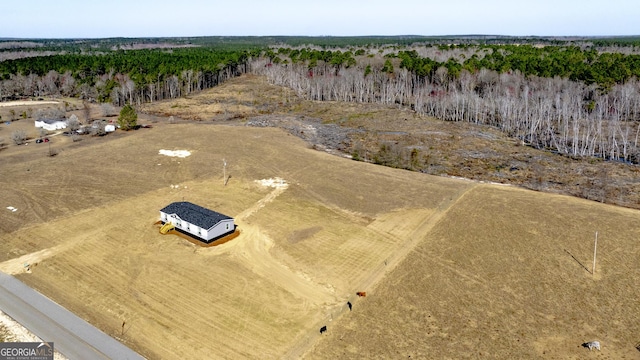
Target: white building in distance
[{"x": 51, "y": 125}]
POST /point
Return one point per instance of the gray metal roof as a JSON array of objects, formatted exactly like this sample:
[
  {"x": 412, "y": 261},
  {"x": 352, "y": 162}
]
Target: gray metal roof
[
  {"x": 52, "y": 121},
  {"x": 194, "y": 214}
]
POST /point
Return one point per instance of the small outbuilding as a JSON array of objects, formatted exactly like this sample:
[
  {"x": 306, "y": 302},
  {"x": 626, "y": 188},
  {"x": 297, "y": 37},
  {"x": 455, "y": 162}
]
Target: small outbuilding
[
  {"x": 51, "y": 124},
  {"x": 204, "y": 224}
]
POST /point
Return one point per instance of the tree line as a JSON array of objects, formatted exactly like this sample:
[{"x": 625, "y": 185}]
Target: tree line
[
  {"x": 586, "y": 65},
  {"x": 121, "y": 77},
  {"x": 591, "y": 109},
  {"x": 578, "y": 100}
]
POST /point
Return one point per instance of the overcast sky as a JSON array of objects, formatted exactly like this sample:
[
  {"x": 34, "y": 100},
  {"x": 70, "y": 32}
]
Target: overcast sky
[{"x": 159, "y": 18}]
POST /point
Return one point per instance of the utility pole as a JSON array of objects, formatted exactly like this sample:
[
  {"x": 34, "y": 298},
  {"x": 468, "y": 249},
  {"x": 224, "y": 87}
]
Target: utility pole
[
  {"x": 224, "y": 172},
  {"x": 595, "y": 247}
]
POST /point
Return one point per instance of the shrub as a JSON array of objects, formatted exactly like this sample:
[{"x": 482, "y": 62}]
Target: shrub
[
  {"x": 108, "y": 110},
  {"x": 97, "y": 128},
  {"x": 19, "y": 137},
  {"x": 73, "y": 123},
  {"x": 49, "y": 113}
]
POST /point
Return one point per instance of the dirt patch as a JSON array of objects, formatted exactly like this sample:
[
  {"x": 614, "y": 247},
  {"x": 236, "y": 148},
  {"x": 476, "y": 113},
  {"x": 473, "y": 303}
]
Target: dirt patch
[
  {"x": 321, "y": 136},
  {"x": 175, "y": 153},
  {"x": 498, "y": 283},
  {"x": 27, "y": 103},
  {"x": 115, "y": 266},
  {"x": 461, "y": 269},
  {"x": 397, "y": 137},
  {"x": 300, "y": 235}
]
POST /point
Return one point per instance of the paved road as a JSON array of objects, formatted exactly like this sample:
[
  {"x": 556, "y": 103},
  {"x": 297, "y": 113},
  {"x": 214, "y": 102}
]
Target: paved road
[{"x": 72, "y": 336}]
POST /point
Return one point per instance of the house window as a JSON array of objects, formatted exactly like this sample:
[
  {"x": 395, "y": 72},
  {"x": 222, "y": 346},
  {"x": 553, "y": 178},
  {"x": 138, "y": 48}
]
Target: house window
[
  {"x": 227, "y": 226},
  {"x": 187, "y": 226}
]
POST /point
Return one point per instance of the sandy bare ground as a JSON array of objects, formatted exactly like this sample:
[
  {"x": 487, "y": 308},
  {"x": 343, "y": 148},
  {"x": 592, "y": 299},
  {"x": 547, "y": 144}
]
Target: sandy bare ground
[
  {"x": 23, "y": 103},
  {"x": 413, "y": 234},
  {"x": 25, "y": 263},
  {"x": 487, "y": 282},
  {"x": 259, "y": 292},
  {"x": 254, "y": 248},
  {"x": 18, "y": 333},
  {"x": 279, "y": 185},
  {"x": 445, "y": 262}
]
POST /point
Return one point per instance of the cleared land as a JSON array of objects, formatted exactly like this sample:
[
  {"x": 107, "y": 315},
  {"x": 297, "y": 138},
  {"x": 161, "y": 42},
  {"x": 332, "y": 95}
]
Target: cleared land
[
  {"x": 505, "y": 274},
  {"x": 108, "y": 263},
  {"x": 27, "y": 103},
  {"x": 452, "y": 268}
]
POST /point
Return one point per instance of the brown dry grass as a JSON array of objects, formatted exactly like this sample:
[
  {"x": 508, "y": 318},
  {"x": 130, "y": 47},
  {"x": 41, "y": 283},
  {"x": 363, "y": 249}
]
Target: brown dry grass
[
  {"x": 497, "y": 278},
  {"x": 455, "y": 149},
  {"x": 452, "y": 268},
  {"x": 256, "y": 293},
  {"x": 247, "y": 96}
]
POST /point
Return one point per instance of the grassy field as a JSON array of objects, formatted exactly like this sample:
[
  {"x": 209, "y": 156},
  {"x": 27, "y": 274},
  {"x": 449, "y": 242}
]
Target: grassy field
[
  {"x": 505, "y": 274},
  {"x": 452, "y": 268},
  {"x": 453, "y": 148},
  {"x": 100, "y": 253}
]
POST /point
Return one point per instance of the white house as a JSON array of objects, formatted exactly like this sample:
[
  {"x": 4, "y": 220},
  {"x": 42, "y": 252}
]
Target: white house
[
  {"x": 51, "y": 125},
  {"x": 204, "y": 224}
]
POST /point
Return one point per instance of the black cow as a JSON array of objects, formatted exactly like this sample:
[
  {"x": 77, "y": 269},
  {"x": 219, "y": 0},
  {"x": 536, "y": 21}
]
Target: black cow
[{"x": 323, "y": 329}]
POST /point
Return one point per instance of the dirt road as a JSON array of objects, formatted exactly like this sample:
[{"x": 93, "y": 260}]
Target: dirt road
[{"x": 22, "y": 103}]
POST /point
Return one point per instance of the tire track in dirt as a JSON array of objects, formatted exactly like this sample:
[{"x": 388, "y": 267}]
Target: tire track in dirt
[
  {"x": 306, "y": 343},
  {"x": 260, "y": 204},
  {"x": 416, "y": 236},
  {"x": 18, "y": 265},
  {"x": 33, "y": 204},
  {"x": 253, "y": 249},
  {"x": 515, "y": 298},
  {"x": 351, "y": 215}
]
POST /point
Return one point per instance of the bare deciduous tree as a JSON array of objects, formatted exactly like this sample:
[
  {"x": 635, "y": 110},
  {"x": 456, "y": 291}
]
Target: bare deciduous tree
[
  {"x": 86, "y": 111},
  {"x": 49, "y": 113},
  {"x": 51, "y": 81},
  {"x": 67, "y": 84},
  {"x": 19, "y": 137},
  {"x": 108, "y": 110},
  {"x": 98, "y": 128},
  {"x": 73, "y": 123},
  {"x": 87, "y": 91},
  {"x": 559, "y": 114}
]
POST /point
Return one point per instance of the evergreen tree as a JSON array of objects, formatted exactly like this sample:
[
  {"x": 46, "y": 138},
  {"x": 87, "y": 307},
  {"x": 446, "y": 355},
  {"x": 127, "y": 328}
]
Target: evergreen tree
[{"x": 128, "y": 118}]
